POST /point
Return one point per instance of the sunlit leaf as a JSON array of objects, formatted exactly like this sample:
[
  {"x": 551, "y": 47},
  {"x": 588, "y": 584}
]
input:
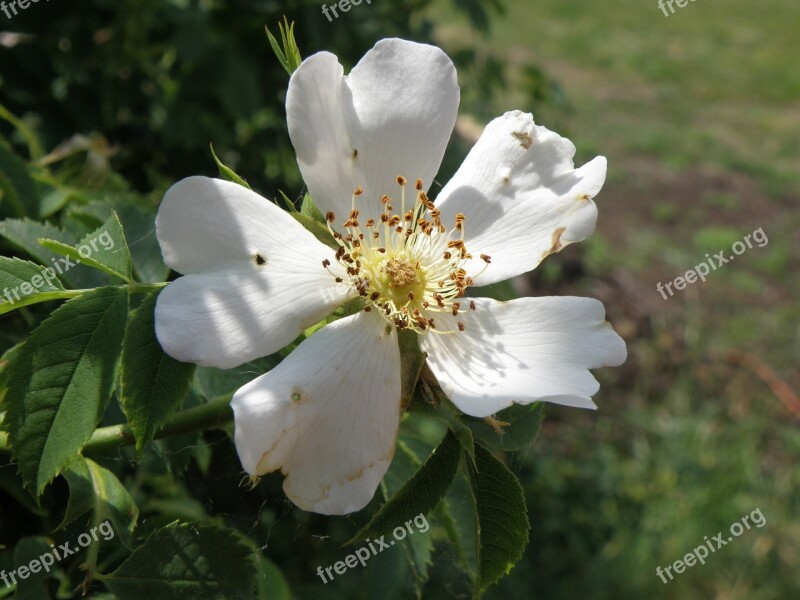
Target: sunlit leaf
[{"x": 61, "y": 381}]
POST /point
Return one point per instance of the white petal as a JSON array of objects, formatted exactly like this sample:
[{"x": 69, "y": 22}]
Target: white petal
[
  {"x": 204, "y": 225},
  {"x": 522, "y": 351},
  {"x": 225, "y": 319},
  {"x": 327, "y": 416},
  {"x": 522, "y": 197},
  {"x": 255, "y": 276},
  {"x": 393, "y": 115}
]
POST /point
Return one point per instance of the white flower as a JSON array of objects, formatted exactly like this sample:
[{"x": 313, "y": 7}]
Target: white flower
[{"x": 254, "y": 279}]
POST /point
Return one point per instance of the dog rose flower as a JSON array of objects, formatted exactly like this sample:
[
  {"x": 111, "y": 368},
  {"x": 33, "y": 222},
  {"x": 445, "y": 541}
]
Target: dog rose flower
[{"x": 369, "y": 145}]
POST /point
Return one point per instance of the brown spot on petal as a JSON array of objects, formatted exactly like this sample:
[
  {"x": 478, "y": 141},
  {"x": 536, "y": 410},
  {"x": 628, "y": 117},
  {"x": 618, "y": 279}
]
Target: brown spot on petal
[
  {"x": 556, "y": 243},
  {"x": 260, "y": 260},
  {"x": 525, "y": 139}
]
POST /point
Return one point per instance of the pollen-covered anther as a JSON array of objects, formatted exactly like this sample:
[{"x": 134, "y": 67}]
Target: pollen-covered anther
[
  {"x": 401, "y": 180},
  {"x": 401, "y": 273},
  {"x": 358, "y": 191},
  {"x": 486, "y": 258}
]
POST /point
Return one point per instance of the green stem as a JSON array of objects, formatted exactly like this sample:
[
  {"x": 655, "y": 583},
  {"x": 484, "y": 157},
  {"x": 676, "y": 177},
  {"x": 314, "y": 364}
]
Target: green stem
[
  {"x": 6, "y": 306},
  {"x": 215, "y": 414},
  {"x": 133, "y": 288},
  {"x": 145, "y": 288}
]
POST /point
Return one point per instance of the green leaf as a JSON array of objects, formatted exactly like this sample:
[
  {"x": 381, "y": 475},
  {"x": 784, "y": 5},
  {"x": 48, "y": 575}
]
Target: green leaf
[
  {"x": 460, "y": 517},
  {"x": 5, "y": 364},
  {"x": 287, "y": 52},
  {"x": 502, "y": 517},
  {"x": 417, "y": 548},
  {"x": 425, "y": 402},
  {"x": 272, "y": 584},
  {"x": 153, "y": 384},
  {"x": 18, "y": 195},
  {"x": 141, "y": 231},
  {"x": 288, "y": 202},
  {"x": 39, "y": 298},
  {"x": 34, "y": 586},
  {"x": 25, "y": 235},
  {"x": 34, "y": 147},
  {"x": 420, "y": 494},
  {"x": 137, "y": 222},
  {"x": 521, "y": 431},
  {"x": 105, "y": 249},
  {"x": 309, "y": 209},
  {"x": 227, "y": 173},
  {"x": 210, "y": 383},
  {"x": 53, "y": 198},
  {"x": 20, "y": 279},
  {"x": 319, "y": 230},
  {"x": 188, "y": 562},
  {"x": 61, "y": 381},
  {"x": 94, "y": 488}
]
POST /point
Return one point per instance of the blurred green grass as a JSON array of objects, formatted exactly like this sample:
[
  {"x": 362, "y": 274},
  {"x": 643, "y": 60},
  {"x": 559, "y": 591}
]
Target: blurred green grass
[
  {"x": 711, "y": 84},
  {"x": 698, "y": 114}
]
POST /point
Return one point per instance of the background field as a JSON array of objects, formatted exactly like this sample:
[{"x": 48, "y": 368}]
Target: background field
[{"x": 698, "y": 114}]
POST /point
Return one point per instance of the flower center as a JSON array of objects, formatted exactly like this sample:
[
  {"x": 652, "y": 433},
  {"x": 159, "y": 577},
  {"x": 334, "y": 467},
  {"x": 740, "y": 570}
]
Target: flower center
[
  {"x": 401, "y": 272},
  {"x": 408, "y": 266}
]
